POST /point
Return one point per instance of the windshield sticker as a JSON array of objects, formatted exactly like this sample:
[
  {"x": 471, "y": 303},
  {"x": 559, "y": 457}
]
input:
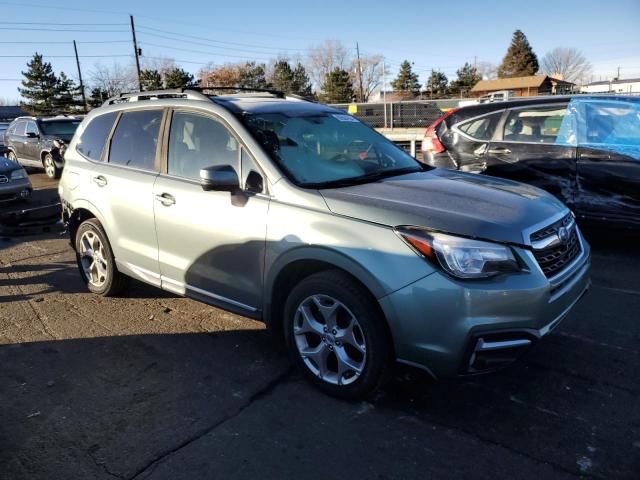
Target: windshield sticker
[{"x": 344, "y": 118}]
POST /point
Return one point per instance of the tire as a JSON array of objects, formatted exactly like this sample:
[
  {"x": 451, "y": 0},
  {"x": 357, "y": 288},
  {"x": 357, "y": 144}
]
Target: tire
[
  {"x": 96, "y": 261},
  {"x": 50, "y": 167},
  {"x": 350, "y": 353}
]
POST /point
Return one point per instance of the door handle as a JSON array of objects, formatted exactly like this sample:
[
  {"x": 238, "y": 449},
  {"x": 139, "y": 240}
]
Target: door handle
[
  {"x": 499, "y": 151},
  {"x": 166, "y": 199},
  {"x": 100, "y": 180}
]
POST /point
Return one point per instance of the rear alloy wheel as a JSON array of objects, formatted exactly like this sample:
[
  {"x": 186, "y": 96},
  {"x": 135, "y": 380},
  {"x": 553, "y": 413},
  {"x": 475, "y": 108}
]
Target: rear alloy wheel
[
  {"x": 12, "y": 156},
  {"x": 95, "y": 260},
  {"x": 50, "y": 167},
  {"x": 336, "y": 335}
]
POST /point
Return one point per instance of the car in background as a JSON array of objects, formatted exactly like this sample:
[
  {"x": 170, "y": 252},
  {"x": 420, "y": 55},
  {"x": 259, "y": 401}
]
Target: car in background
[
  {"x": 585, "y": 150},
  {"x": 3, "y": 148},
  {"x": 14, "y": 182},
  {"x": 40, "y": 142}
]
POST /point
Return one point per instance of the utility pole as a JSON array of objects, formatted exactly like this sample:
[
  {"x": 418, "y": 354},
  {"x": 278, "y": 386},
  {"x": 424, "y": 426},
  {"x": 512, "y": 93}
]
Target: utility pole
[
  {"x": 84, "y": 98},
  {"x": 360, "y": 73},
  {"x": 618, "y": 77},
  {"x": 137, "y": 52},
  {"x": 384, "y": 93}
]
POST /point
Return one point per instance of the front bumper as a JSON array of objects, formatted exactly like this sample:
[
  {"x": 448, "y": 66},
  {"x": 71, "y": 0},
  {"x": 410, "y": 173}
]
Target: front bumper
[
  {"x": 451, "y": 327},
  {"x": 15, "y": 190}
]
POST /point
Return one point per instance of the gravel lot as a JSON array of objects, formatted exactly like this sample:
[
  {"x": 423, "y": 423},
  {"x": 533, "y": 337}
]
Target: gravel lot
[{"x": 156, "y": 386}]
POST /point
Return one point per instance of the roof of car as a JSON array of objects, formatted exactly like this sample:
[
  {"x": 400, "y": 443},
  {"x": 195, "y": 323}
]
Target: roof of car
[
  {"x": 481, "y": 108},
  {"x": 257, "y": 104}
]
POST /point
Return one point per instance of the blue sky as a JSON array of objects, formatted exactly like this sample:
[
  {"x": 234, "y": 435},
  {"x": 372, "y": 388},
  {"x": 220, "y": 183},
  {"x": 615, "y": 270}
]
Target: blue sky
[{"x": 432, "y": 34}]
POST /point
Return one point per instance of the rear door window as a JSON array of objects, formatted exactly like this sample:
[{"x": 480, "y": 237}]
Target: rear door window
[
  {"x": 535, "y": 125},
  {"x": 481, "y": 128},
  {"x": 135, "y": 141},
  {"x": 93, "y": 138}
]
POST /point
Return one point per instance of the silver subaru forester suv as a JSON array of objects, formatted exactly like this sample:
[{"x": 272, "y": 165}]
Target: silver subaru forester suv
[{"x": 300, "y": 215}]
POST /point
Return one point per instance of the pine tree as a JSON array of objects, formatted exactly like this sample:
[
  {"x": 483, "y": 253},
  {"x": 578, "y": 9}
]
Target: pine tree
[
  {"x": 300, "y": 82},
  {"x": 337, "y": 87},
  {"x": 39, "y": 87},
  {"x": 151, "y": 80},
  {"x": 98, "y": 97},
  {"x": 437, "y": 83},
  {"x": 407, "y": 80},
  {"x": 282, "y": 76},
  {"x": 178, "y": 78},
  {"x": 467, "y": 77},
  {"x": 520, "y": 60},
  {"x": 68, "y": 96},
  {"x": 253, "y": 75}
]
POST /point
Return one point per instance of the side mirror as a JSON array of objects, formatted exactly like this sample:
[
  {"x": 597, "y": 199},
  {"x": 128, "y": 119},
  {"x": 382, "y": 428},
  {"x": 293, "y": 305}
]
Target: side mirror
[
  {"x": 221, "y": 178},
  {"x": 32, "y": 135}
]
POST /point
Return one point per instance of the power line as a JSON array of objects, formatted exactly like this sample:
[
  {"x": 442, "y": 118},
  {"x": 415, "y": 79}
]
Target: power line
[
  {"x": 222, "y": 42},
  {"x": 65, "y": 42},
  {"x": 62, "y": 30},
  {"x": 67, "y": 56},
  {"x": 66, "y": 24},
  {"x": 204, "y": 52}
]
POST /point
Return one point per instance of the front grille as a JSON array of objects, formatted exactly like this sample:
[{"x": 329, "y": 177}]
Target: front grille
[
  {"x": 556, "y": 257},
  {"x": 552, "y": 229}
]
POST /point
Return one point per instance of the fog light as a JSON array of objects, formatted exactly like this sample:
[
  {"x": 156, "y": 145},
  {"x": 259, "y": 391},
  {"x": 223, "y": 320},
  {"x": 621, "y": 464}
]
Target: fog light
[{"x": 25, "y": 193}]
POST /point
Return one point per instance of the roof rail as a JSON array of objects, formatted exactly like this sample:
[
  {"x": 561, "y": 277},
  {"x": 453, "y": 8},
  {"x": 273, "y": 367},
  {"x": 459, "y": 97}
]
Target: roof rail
[
  {"x": 272, "y": 92},
  {"x": 187, "y": 93}
]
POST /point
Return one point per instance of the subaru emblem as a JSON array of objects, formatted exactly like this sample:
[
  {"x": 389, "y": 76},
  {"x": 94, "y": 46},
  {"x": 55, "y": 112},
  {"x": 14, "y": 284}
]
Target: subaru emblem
[{"x": 563, "y": 234}]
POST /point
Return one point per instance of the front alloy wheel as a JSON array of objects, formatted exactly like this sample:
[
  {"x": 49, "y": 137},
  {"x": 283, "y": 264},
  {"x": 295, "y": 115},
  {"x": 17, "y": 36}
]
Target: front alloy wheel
[
  {"x": 337, "y": 335},
  {"x": 50, "y": 167},
  {"x": 12, "y": 156},
  {"x": 330, "y": 340}
]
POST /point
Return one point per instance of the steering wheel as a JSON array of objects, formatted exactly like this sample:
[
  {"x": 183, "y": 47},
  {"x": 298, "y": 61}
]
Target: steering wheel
[{"x": 340, "y": 158}]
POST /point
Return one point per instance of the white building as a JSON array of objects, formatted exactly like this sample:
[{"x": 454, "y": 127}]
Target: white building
[{"x": 627, "y": 85}]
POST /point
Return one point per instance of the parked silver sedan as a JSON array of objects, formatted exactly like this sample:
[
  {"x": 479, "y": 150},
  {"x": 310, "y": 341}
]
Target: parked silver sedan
[{"x": 14, "y": 181}]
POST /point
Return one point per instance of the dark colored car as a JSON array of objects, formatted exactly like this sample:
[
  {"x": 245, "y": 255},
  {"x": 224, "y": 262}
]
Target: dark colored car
[
  {"x": 3, "y": 148},
  {"x": 40, "y": 142},
  {"x": 585, "y": 150}
]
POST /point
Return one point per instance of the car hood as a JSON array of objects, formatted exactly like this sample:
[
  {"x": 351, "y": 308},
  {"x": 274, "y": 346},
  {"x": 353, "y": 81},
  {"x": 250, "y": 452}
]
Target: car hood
[
  {"x": 7, "y": 165},
  {"x": 449, "y": 201}
]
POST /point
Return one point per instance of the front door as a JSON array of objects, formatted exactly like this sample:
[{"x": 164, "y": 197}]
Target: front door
[
  {"x": 536, "y": 146},
  {"x": 211, "y": 243},
  {"x": 609, "y": 160}
]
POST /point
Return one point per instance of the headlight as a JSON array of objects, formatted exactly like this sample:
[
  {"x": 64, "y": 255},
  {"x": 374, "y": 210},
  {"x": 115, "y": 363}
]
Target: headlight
[
  {"x": 18, "y": 174},
  {"x": 458, "y": 256}
]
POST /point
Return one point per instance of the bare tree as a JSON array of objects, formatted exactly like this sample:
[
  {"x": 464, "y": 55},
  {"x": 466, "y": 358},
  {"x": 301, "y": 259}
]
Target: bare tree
[
  {"x": 160, "y": 64},
  {"x": 227, "y": 75},
  {"x": 325, "y": 58},
  {"x": 113, "y": 79},
  {"x": 371, "y": 74},
  {"x": 566, "y": 64},
  {"x": 487, "y": 70}
]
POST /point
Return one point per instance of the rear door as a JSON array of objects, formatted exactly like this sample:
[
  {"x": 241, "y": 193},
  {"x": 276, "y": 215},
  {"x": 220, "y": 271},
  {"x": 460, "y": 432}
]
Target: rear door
[
  {"x": 469, "y": 140},
  {"x": 31, "y": 147},
  {"x": 536, "y": 145},
  {"x": 609, "y": 160},
  {"x": 122, "y": 190}
]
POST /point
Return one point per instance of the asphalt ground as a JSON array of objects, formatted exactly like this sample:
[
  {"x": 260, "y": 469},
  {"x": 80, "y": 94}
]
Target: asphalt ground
[{"x": 155, "y": 386}]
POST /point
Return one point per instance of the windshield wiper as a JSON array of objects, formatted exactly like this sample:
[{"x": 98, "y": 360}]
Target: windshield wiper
[{"x": 366, "y": 178}]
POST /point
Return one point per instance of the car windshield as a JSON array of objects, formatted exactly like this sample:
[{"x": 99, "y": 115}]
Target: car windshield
[
  {"x": 67, "y": 127},
  {"x": 327, "y": 149}
]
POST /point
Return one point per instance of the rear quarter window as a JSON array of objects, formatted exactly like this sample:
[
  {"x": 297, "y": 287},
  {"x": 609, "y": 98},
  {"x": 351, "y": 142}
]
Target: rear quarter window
[{"x": 93, "y": 138}]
